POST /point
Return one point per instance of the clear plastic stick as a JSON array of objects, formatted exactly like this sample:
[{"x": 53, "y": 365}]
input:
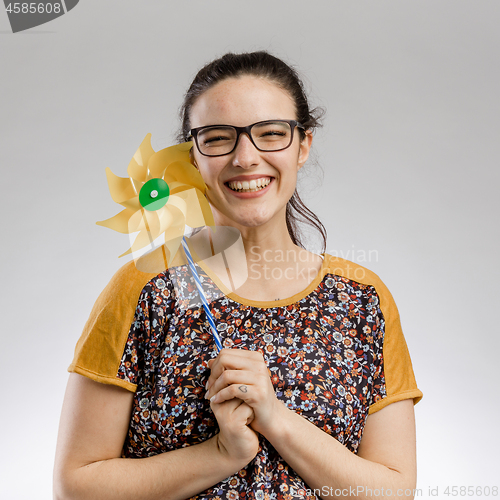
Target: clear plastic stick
[{"x": 204, "y": 301}]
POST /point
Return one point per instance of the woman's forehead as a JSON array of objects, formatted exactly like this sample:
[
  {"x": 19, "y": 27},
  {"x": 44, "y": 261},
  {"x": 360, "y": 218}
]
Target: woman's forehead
[{"x": 241, "y": 101}]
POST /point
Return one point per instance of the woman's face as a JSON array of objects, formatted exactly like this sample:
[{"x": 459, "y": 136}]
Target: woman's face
[{"x": 240, "y": 102}]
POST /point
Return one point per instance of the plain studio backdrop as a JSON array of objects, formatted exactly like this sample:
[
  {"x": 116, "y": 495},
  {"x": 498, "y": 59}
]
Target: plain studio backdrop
[{"x": 405, "y": 179}]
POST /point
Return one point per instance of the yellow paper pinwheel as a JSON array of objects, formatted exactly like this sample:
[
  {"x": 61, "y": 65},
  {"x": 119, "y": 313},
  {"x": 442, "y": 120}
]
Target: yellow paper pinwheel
[{"x": 163, "y": 194}]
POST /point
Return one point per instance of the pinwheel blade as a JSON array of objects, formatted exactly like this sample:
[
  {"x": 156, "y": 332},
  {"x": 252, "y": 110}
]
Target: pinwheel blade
[
  {"x": 138, "y": 166},
  {"x": 121, "y": 188},
  {"x": 120, "y": 222},
  {"x": 132, "y": 204},
  {"x": 136, "y": 171},
  {"x": 194, "y": 206},
  {"x": 176, "y": 186},
  {"x": 179, "y": 152},
  {"x": 145, "y": 151},
  {"x": 185, "y": 172},
  {"x": 168, "y": 217},
  {"x": 175, "y": 231},
  {"x": 173, "y": 245},
  {"x": 144, "y": 239},
  {"x": 138, "y": 222}
]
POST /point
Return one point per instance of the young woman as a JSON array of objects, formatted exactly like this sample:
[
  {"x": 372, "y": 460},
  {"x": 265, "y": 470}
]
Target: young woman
[{"x": 313, "y": 394}]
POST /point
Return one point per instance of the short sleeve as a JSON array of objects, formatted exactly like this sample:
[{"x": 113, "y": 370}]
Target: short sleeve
[
  {"x": 394, "y": 379},
  {"x": 392, "y": 374},
  {"x": 101, "y": 346}
]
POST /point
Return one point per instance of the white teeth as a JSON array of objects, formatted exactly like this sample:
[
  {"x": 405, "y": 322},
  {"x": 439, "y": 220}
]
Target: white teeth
[{"x": 249, "y": 186}]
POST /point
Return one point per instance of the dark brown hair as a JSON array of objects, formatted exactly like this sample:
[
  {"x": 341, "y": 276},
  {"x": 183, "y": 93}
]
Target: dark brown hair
[{"x": 261, "y": 64}]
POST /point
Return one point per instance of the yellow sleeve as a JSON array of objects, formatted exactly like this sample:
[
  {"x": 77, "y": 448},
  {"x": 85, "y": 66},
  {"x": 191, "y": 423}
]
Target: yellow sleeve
[
  {"x": 397, "y": 372},
  {"x": 100, "y": 348},
  {"x": 394, "y": 379}
]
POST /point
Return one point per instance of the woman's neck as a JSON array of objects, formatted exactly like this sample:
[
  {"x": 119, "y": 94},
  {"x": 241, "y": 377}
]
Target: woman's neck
[
  {"x": 261, "y": 262},
  {"x": 269, "y": 237}
]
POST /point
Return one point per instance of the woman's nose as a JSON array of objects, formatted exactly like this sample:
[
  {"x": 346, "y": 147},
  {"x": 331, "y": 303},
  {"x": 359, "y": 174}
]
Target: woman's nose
[{"x": 245, "y": 155}]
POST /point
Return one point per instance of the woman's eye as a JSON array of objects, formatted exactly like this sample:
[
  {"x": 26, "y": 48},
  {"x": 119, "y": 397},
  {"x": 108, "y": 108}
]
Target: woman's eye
[
  {"x": 274, "y": 132},
  {"x": 212, "y": 140},
  {"x": 270, "y": 133}
]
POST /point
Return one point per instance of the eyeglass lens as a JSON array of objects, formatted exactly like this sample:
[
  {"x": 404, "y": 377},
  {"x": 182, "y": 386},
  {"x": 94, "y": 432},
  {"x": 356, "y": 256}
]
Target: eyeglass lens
[{"x": 267, "y": 136}]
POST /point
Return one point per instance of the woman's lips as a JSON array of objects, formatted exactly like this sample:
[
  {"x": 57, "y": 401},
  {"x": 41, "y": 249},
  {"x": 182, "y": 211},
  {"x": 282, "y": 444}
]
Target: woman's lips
[{"x": 252, "y": 194}]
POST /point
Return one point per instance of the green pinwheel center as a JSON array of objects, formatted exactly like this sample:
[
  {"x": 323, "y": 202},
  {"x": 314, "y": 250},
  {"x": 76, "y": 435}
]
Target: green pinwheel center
[{"x": 154, "y": 194}]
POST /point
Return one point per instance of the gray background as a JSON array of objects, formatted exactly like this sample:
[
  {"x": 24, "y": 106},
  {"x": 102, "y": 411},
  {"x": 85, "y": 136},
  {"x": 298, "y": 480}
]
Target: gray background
[{"x": 409, "y": 152}]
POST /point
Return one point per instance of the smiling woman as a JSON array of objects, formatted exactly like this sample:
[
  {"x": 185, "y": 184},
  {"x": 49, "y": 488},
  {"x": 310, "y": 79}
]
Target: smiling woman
[{"x": 313, "y": 393}]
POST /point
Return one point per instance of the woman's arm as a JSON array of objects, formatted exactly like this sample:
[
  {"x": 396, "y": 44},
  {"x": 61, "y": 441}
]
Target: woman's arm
[
  {"x": 94, "y": 423},
  {"x": 386, "y": 456},
  {"x": 385, "y": 460}
]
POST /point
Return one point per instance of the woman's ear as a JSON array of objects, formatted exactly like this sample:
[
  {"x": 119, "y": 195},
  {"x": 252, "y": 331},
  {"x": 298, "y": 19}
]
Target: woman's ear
[
  {"x": 304, "y": 148},
  {"x": 191, "y": 159}
]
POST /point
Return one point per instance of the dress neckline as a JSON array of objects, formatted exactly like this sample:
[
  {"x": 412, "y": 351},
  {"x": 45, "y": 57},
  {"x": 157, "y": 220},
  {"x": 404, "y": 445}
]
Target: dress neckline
[{"x": 269, "y": 304}]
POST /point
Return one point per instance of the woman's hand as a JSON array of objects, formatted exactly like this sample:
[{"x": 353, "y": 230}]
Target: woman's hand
[
  {"x": 242, "y": 374},
  {"x": 236, "y": 439}
]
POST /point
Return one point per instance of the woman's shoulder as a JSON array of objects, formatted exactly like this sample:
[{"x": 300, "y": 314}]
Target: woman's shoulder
[
  {"x": 359, "y": 274},
  {"x": 129, "y": 276},
  {"x": 130, "y": 279},
  {"x": 124, "y": 287},
  {"x": 348, "y": 269}
]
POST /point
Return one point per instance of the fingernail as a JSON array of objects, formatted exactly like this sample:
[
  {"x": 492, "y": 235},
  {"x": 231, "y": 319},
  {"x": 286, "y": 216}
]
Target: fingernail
[{"x": 206, "y": 395}]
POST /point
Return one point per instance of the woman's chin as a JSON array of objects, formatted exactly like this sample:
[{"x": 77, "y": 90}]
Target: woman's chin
[{"x": 250, "y": 219}]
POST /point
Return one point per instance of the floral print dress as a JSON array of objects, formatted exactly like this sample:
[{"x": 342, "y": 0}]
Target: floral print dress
[{"x": 335, "y": 353}]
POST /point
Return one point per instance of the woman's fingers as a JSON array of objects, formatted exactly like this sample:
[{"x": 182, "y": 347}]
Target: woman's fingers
[
  {"x": 235, "y": 359},
  {"x": 233, "y": 412},
  {"x": 244, "y": 411},
  {"x": 234, "y": 409},
  {"x": 231, "y": 377},
  {"x": 229, "y": 406},
  {"x": 235, "y": 436},
  {"x": 248, "y": 393}
]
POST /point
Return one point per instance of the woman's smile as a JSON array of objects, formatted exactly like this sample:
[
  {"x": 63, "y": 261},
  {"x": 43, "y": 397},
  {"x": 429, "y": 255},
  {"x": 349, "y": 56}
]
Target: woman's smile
[{"x": 249, "y": 186}]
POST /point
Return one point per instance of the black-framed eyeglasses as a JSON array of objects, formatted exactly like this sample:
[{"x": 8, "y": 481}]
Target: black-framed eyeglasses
[{"x": 267, "y": 136}]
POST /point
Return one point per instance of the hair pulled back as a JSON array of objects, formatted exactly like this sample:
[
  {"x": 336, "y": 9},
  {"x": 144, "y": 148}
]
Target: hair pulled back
[{"x": 264, "y": 65}]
